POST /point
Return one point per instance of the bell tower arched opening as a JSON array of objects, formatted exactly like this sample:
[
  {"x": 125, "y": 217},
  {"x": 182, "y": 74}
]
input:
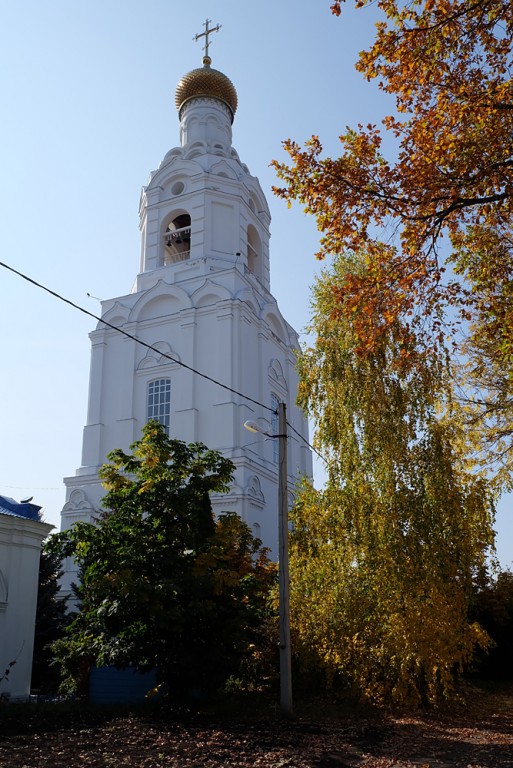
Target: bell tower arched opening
[
  {"x": 254, "y": 253},
  {"x": 177, "y": 239}
]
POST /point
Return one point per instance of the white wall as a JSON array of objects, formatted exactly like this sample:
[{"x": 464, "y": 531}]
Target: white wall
[{"x": 20, "y": 548}]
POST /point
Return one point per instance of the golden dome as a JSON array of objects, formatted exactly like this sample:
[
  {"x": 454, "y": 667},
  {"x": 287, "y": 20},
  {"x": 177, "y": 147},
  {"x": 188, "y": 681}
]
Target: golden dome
[{"x": 205, "y": 81}]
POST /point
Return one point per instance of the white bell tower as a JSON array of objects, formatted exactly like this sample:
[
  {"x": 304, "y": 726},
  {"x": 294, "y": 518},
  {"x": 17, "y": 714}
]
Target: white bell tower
[{"x": 202, "y": 301}]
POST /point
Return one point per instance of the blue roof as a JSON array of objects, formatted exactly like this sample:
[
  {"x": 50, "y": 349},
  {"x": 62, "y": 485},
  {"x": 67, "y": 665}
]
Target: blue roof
[{"x": 9, "y": 506}]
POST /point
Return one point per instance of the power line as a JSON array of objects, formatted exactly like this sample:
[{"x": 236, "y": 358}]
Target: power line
[
  {"x": 131, "y": 336},
  {"x": 32, "y": 488},
  {"x": 306, "y": 442},
  {"x": 154, "y": 349}
]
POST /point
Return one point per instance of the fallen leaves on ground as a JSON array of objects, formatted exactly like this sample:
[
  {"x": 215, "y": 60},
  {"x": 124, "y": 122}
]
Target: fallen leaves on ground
[{"x": 477, "y": 735}]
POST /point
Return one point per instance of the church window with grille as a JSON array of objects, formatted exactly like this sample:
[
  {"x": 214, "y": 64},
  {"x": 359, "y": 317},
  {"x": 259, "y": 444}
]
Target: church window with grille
[{"x": 159, "y": 402}]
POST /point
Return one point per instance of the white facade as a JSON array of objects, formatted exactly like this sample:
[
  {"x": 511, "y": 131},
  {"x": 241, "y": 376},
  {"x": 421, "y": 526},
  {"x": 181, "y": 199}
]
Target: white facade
[
  {"x": 202, "y": 297},
  {"x": 20, "y": 549}
]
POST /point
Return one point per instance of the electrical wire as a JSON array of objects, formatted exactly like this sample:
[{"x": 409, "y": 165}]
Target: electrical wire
[
  {"x": 307, "y": 443},
  {"x": 131, "y": 336},
  {"x": 149, "y": 346}
]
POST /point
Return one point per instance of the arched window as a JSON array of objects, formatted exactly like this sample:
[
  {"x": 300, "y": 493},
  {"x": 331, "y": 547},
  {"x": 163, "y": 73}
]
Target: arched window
[
  {"x": 159, "y": 402},
  {"x": 254, "y": 251},
  {"x": 177, "y": 239}
]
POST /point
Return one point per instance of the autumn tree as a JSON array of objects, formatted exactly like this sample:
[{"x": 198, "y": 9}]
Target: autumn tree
[
  {"x": 434, "y": 218},
  {"x": 484, "y": 373},
  {"x": 165, "y": 585},
  {"x": 383, "y": 559}
]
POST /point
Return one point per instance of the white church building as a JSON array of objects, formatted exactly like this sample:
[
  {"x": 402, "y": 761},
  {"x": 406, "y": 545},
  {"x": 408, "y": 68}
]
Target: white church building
[
  {"x": 202, "y": 301},
  {"x": 21, "y": 536}
]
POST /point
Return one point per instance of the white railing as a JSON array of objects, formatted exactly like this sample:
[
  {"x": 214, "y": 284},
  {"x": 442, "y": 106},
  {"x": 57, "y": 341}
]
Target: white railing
[{"x": 177, "y": 236}]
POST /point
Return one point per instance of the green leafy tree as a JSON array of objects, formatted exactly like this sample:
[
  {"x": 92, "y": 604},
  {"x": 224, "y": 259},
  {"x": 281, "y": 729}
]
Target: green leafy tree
[
  {"x": 164, "y": 584},
  {"x": 382, "y": 560},
  {"x": 51, "y": 620}
]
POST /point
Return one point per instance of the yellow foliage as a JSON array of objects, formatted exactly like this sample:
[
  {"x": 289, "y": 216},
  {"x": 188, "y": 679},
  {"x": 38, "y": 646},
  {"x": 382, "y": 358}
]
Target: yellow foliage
[
  {"x": 382, "y": 560},
  {"x": 447, "y": 64}
]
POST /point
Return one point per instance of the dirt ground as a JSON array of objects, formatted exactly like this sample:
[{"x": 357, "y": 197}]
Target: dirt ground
[{"x": 478, "y": 734}]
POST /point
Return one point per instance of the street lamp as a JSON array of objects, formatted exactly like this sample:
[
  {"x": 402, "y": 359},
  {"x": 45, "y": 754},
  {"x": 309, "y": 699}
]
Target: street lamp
[{"x": 283, "y": 558}]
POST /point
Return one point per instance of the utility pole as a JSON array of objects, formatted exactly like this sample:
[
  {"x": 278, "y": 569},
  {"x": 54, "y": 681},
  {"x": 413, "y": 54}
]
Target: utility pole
[{"x": 283, "y": 567}]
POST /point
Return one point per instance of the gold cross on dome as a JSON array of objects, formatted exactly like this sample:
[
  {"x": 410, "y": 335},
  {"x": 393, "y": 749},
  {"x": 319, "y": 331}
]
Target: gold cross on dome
[{"x": 206, "y": 33}]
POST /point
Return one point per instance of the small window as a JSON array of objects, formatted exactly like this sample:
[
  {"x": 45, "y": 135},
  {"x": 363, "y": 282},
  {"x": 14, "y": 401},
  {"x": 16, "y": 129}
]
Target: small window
[
  {"x": 275, "y": 404},
  {"x": 159, "y": 402}
]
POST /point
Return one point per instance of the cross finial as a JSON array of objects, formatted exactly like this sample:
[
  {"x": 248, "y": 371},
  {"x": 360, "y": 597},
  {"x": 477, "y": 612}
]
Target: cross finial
[{"x": 205, "y": 34}]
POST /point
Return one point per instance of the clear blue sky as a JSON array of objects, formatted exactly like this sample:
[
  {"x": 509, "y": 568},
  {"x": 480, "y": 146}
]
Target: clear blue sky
[{"x": 88, "y": 112}]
